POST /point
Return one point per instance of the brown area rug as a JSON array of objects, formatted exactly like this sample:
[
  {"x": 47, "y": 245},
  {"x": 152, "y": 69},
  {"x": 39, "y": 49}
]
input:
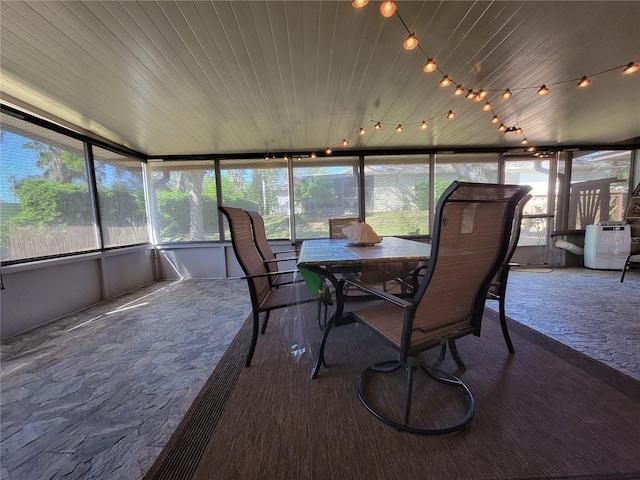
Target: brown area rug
[{"x": 545, "y": 412}]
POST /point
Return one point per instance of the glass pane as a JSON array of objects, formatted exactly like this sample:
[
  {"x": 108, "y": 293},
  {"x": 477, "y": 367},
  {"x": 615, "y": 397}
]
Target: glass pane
[
  {"x": 465, "y": 167},
  {"x": 322, "y": 192},
  {"x": 536, "y": 174},
  {"x": 45, "y": 206},
  {"x": 258, "y": 186},
  {"x": 397, "y": 194},
  {"x": 121, "y": 199},
  {"x": 183, "y": 202},
  {"x": 599, "y": 187}
]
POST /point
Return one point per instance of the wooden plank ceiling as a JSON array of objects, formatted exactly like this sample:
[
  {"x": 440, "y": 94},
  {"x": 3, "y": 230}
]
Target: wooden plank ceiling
[{"x": 184, "y": 77}]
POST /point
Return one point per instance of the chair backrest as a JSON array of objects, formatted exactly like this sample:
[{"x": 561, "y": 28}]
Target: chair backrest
[
  {"x": 513, "y": 238},
  {"x": 337, "y": 224},
  {"x": 246, "y": 251},
  {"x": 260, "y": 239},
  {"x": 471, "y": 234}
]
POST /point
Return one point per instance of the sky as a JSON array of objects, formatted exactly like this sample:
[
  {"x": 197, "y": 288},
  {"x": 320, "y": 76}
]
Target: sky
[{"x": 14, "y": 162}]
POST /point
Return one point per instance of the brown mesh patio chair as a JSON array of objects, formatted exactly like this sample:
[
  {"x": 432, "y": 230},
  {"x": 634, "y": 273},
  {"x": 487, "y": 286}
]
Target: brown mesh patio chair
[
  {"x": 337, "y": 224},
  {"x": 471, "y": 234},
  {"x": 498, "y": 287},
  {"x": 264, "y": 297},
  {"x": 268, "y": 255}
]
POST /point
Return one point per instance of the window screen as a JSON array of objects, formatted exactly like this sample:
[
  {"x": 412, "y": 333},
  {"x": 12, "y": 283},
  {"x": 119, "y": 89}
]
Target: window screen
[{"x": 45, "y": 206}]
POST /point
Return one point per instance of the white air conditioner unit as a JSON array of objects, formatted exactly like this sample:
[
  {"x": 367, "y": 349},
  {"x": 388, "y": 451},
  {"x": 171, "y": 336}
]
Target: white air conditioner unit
[{"x": 607, "y": 245}]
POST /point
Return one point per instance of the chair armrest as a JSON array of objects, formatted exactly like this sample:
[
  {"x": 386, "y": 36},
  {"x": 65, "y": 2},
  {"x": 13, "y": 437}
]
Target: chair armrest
[
  {"x": 296, "y": 252},
  {"x": 269, "y": 274},
  {"x": 379, "y": 293},
  {"x": 276, "y": 260}
]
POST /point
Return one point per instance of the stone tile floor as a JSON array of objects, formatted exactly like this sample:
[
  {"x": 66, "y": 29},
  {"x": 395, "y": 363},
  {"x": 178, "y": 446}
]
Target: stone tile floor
[{"x": 98, "y": 393}]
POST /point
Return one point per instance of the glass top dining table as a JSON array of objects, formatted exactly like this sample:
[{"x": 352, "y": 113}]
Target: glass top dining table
[
  {"x": 316, "y": 255},
  {"x": 318, "y": 258},
  {"x": 343, "y": 252}
]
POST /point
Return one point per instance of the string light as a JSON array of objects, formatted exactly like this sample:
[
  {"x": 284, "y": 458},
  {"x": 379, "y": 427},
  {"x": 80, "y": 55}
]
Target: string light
[
  {"x": 543, "y": 90},
  {"x": 362, "y": 131},
  {"x": 313, "y": 155},
  {"x": 411, "y": 42},
  {"x": 584, "y": 81},
  {"x": 328, "y": 151},
  {"x": 345, "y": 142},
  {"x": 445, "y": 82},
  {"x": 430, "y": 66},
  {"x": 388, "y": 8}
]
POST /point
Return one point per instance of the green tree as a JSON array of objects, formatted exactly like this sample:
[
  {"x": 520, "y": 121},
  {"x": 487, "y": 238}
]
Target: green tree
[
  {"x": 58, "y": 165},
  {"x": 314, "y": 193}
]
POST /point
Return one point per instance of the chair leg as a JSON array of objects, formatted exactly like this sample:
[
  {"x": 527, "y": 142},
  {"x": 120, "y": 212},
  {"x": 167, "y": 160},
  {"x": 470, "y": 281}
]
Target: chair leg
[
  {"x": 456, "y": 355},
  {"x": 435, "y": 373},
  {"x": 264, "y": 322},
  {"x": 624, "y": 269},
  {"x": 503, "y": 324},
  {"x": 254, "y": 338}
]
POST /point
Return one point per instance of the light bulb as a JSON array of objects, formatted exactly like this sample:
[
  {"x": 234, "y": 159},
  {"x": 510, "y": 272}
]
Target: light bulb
[
  {"x": 430, "y": 66},
  {"x": 495, "y": 119},
  {"x": 471, "y": 94},
  {"x": 502, "y": 127},
  {"x": 410, "y": 42},
  {"x": 344, "y": 142},
  {"x": 543, "y": 90},
  {"x": 424, "y": 125},
  {"x": 482, "y": 93},
  {"x": 630, "y": 68},
  {"x": 507, "y": 94},
  {"x": 584, "y": 81},
  {"x": 531, "y": 149},
  {"x": 518, "y": 130},
  {"x": 313, "y": 155},
  {"x": 328, "y": 151},
  {"x": 524, "y": 141},
  {"x": 399, "y": 128},
  {"x": 459, "y": 90},
  {"x": 362, "y": 131},
  {"x": 487, "y": 107},
  {"x": 377, "y": 126},
  {"x": 388, "y": 8},
  {"x": 359, "y": 3},
  {"x": 451, "y": 115},
  {"x": 445, "y": 82}
]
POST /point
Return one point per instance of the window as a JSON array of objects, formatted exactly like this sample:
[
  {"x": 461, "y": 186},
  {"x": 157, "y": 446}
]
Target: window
[
  {"x": 323, "y": 189},
  {"x": 183, "y": 202},
  {"x": 121, "y": 199},
  {"x": 535, "y": 221},
  {"x": 45, "y": 205},
  {"x": 465, "y": 167},
  {"x": 599, "y": 187},
  {"x": 260, "y": 186},
  {"x": 397, "y": 194}
]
